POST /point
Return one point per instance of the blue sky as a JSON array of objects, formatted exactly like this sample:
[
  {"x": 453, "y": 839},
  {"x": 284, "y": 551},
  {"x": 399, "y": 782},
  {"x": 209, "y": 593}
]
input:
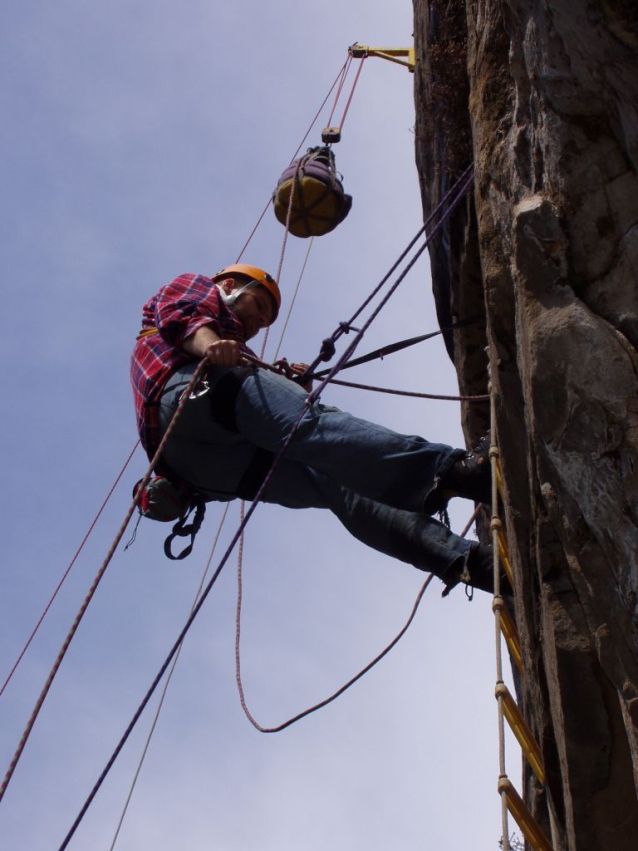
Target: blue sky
[{"x": 141, "y": 140}]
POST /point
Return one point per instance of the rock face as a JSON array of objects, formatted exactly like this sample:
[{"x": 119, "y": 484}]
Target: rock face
[{"x": 543, "y": 96}]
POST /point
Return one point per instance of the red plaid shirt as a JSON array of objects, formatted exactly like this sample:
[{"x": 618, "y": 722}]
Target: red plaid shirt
[{"x": 177, "y": 311}]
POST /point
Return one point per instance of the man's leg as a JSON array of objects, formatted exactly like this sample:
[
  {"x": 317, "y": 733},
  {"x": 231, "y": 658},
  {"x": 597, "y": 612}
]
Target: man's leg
[
  {"x": 214, "y": 460},
  {"x": 408, "y": 536},
  {"x": 205, "y": 455},
  {"x": 364, "y": 457}
]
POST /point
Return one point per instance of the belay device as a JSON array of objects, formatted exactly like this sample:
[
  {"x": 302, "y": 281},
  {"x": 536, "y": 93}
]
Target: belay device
[
  {"x": 166, "y": 501},
  {"x": 319, "y": 202}
]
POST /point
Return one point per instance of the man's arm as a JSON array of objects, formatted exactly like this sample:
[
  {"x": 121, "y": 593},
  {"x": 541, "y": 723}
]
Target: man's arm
[{"x": 205, "y": 343}]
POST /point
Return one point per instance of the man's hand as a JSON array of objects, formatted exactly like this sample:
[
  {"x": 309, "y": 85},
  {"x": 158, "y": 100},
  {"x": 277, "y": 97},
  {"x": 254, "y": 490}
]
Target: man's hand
[
  {"x": 299, "y": 369},
  {"x": 205, "y": 343},
  {"x": 223, "y": 353}
]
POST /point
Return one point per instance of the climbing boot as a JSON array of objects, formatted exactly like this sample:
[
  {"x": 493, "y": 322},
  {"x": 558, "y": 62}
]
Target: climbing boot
[
  {"x": 477, "y": 571},
  {"x": 471, "y": 476}
]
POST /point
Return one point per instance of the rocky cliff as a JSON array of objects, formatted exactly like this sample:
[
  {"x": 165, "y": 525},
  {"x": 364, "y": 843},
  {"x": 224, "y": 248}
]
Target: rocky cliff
[{"x": 543, "y": 96}]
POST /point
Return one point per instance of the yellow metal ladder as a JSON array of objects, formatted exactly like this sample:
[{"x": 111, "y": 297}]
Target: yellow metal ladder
[{"x": 511, "y": 801}]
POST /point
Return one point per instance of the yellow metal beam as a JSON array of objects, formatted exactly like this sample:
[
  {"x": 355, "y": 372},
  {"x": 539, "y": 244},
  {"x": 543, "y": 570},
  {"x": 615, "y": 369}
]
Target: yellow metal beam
[
  {"x": 521, "y": 730},
  {"x": 525, "y": 820},
  {"x": 392, "y": 54},
  {"x": 509, "y": 631}
]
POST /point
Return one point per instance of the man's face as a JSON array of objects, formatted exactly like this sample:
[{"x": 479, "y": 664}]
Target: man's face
[{"x": 254, "y": 309}]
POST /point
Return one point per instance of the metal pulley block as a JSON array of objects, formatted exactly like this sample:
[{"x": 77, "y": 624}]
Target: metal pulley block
[{"x": 331, "y": 135}]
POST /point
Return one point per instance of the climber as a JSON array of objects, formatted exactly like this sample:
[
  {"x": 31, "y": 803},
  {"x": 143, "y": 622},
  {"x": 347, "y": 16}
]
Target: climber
[{"x": 382, "y": 486}]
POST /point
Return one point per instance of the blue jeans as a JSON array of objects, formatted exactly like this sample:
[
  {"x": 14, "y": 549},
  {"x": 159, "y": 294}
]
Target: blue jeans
[{"x": 373, "y": 479}]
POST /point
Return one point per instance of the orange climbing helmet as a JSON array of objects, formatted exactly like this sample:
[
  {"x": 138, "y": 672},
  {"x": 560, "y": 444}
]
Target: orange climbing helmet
[{"x": 257, "y": 278}]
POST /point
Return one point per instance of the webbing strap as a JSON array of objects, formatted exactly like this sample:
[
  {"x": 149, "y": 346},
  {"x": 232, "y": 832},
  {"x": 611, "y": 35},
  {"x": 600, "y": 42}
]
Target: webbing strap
[
  {"x": 403, "y": 344},
  {"x": 182, "y": 529}
]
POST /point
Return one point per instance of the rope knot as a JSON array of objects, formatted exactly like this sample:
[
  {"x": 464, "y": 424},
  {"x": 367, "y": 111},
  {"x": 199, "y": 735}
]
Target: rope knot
[
  {"x": 346, "y": 327},
  {"x": 327, "y": 349}
]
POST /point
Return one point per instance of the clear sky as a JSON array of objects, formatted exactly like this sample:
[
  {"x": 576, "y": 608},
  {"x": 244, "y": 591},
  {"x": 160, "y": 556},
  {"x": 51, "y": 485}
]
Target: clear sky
[{"x": 141, "y": 140}]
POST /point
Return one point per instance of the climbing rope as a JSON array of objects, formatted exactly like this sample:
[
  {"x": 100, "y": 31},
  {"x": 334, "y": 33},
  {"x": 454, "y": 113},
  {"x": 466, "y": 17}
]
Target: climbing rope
[
  {"x": 339, "y": 691},
  {"x": 294, "y": 298},
  {"x": 299, "y": 147},
  {"x": 282, "y": 367},
  {"x": 94, "y": 586},
  {"x": 169, "y": 676},
  {"x": 354, "y": 86},
  {"x": 68, "y": 570},
  {"x": 351, "y": 681},
  {"x": 342, "y": 79},
  {"x": 444, "y": 208},
  {"x": 409, "y": 393}
]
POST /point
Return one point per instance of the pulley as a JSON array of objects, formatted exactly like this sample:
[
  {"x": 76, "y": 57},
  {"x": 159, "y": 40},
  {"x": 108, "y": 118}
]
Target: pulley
[{"x": 319, "y": 202}]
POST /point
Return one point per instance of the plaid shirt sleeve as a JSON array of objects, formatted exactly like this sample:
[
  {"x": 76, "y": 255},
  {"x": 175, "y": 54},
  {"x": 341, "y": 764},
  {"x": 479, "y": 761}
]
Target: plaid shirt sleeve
[
  {"x": 187, "y": 304},
  {"x": 176, "y": 312}
]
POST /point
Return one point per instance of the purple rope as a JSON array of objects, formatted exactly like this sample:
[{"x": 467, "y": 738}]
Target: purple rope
[
  {"x": 462, "y": 189},
  {"x": 183, "y": 633},
  {"x": 344, "y": 326}
]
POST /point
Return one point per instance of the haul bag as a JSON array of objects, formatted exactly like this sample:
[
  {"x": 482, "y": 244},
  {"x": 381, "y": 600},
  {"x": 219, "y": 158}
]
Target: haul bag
[{"x": 319, "y": 202}]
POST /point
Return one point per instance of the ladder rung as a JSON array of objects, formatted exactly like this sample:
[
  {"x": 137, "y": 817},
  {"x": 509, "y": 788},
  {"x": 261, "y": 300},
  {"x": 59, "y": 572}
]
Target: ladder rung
[
  {"x": 504, "y": 556},
  {"x": 525, "y": 820},
  {"x": 509, "y": 631},
  {"x": 521, "y": 730},
  {"x": 499, "y": 476}
]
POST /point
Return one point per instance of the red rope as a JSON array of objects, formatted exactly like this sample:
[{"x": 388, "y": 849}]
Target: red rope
[
  {"x": 351, "y": 682},
  {"x": 308, "y": 131},
  {"x": 68, "y": 570},
  {"x": 344, "y": 73},
  {"x": 318, "y": 113},
  {"x": 254, "y": 230},
  {"x": 354, "y": 86},
  {"x": 339, "y": 691}
]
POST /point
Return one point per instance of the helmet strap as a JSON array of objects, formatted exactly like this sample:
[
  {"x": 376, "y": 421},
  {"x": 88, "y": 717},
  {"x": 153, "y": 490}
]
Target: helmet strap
[{"x": 230, "y": 298}]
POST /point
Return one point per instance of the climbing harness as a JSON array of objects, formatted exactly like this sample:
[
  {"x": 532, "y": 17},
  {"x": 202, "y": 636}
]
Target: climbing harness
[{"x": 320, "y": 202}]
